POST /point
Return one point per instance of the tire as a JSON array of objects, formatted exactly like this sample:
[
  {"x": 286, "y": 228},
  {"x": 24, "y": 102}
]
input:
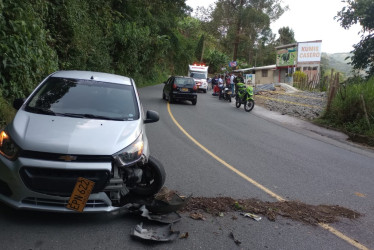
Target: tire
[
  {"x": 163, "y": 96},
  {"x": 152, "y": 180},
  {"x": 248, "y": 106},
  {"x": 237, "y": 102},
  {"x": 171, "y": 99},
  {"x": 229, "y": 98},
  {"x": 204, "y": 90},
  {"x": 194, "y": 102}
]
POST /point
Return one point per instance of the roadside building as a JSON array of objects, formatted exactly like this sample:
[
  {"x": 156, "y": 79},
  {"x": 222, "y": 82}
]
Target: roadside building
[{"x": 302, "y": 56}]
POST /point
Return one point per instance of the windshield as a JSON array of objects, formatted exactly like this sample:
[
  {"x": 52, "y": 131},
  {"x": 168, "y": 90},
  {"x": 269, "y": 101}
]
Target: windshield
[
  {"x": 84, "y": 98},
  {"x": 184, "y": 82},
  {"x": 198, "y": 75}
]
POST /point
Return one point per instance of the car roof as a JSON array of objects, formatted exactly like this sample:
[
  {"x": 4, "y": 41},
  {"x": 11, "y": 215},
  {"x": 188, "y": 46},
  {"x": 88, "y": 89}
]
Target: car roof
[{"x": 91, "y": 75}]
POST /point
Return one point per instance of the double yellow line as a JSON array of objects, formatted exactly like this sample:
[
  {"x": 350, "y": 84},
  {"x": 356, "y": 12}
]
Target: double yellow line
[{"x": 263, "y": 188}]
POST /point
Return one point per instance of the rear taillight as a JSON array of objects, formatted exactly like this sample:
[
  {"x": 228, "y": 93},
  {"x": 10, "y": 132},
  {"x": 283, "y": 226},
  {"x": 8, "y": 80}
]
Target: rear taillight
[
  {"x": 174, "y": 86},
  {"x": 194, "y": 87}
]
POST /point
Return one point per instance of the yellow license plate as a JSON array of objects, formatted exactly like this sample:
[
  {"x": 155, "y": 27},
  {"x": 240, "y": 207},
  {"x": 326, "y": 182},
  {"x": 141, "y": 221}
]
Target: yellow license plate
[
  {"x": 79, "y": 197},
  {"x": 184, "y": 90}
]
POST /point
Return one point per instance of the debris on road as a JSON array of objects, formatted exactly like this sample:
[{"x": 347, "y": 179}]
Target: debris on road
[
  {"x": 295, "y": 210},
  {"x": 197, "y": 216},
  {"x": 237, "y": 242},
  {"x": 164, "y": 233},
  {"x": 183, "y": 235},
  {"x": 168, "y": 218},
  {"x": 252, "y": 216}
]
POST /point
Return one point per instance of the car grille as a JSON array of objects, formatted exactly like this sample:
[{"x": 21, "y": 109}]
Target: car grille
[
  {"x": 64, "y": 157},
  {"x": 60, "y": 181},
  {"x": 60, "y": 203}
]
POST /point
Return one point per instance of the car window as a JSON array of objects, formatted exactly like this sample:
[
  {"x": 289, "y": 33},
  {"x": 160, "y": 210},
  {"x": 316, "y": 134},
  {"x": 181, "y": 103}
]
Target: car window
[
  {"x": 198, "y": 75},
  {"x": 85, "y": 97},
  {"x": 184, "y": 82}
]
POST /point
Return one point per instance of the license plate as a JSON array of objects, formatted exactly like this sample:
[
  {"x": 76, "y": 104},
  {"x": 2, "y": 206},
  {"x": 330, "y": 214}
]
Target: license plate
[
  {"x": 184, "y": 89},
  {"x": 79, "y": 197}
]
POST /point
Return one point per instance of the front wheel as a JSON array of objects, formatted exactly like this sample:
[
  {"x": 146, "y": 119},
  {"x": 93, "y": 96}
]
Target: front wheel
[
  {"x": 248, "y": 106},
  {"x": 194, "y": 102},
  {"x": 153, "y": 178},
  {"x": 237, "y": 103}
]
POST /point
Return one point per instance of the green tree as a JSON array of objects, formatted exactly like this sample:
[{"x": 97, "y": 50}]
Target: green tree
[
  {"x": 286, "y": 36},
  {"x": 362, "y": 12},
  {"x": 239, "y": 25}
]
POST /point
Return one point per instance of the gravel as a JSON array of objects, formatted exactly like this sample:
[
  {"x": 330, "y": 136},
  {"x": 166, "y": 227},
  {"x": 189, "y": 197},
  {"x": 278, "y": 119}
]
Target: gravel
[{"x": 287, "y": 100}]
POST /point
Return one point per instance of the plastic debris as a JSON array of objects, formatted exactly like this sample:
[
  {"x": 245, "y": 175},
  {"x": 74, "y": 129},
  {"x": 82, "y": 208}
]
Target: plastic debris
[
  {"x": 164, "y": 233},
  {"x": 250, "y": 215},
  {"x": 163, "y": 218}
]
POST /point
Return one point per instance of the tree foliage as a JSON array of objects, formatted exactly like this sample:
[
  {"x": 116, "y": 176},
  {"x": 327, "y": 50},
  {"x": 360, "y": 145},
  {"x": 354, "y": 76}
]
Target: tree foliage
[
  {"x": 360, "y": 12},
  {"x": 286, "y": 36}
]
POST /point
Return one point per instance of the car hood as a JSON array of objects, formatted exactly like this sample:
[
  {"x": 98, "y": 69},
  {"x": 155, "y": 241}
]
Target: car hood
[{"x": 67, "y": 135}]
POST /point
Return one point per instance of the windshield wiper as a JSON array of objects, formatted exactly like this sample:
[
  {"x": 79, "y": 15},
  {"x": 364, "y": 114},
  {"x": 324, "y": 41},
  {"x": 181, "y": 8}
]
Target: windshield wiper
[
  {"x": 90, "y": 116},
  {"x": 40, "y": 111}
]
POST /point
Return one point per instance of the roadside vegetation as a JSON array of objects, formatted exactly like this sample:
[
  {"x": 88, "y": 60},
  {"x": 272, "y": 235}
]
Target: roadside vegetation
[
  {"x": 149, "y": 40},
  {"x": 352, "y": 110}
]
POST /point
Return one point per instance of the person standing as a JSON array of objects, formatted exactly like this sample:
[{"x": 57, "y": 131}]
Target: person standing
[{"x": 232, "y": 83}]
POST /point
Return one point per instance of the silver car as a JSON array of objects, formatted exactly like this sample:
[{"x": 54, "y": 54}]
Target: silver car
[{"x": 78, "y": 125}]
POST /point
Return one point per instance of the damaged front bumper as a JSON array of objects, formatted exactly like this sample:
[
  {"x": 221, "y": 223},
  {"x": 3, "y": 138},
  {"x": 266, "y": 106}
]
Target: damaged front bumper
[{"x": 33, "y": 185}]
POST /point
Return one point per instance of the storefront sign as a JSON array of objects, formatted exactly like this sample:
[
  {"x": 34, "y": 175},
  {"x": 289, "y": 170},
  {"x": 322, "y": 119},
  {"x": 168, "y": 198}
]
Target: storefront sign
[{"x": 309, "y": 52}]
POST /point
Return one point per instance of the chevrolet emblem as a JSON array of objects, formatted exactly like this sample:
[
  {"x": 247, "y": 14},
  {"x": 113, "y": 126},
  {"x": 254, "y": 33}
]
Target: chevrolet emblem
[{"x": 67, "y": 158}]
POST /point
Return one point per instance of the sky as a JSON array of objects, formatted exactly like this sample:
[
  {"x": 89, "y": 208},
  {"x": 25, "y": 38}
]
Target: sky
[{"x": 310, "y": 21}]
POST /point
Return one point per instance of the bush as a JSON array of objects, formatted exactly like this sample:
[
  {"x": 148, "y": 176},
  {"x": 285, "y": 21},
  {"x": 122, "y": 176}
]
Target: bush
[{"x": 347, "y": 108}]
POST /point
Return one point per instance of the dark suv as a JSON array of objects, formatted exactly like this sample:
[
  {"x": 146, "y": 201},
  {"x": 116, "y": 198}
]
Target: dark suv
[{"x": 180, "y": 88}]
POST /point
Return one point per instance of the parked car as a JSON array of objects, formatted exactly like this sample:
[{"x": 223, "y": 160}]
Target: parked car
[
  {"x": 179, "y": 88},
  {"x": 78, "y": 125}
]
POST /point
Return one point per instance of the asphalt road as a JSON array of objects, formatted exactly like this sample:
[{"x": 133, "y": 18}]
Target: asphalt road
[{"x": 290, "y": 161}]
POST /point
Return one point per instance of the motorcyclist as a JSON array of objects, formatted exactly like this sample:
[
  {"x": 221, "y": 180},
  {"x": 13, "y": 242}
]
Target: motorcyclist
[{"x": 238, "y": 79}]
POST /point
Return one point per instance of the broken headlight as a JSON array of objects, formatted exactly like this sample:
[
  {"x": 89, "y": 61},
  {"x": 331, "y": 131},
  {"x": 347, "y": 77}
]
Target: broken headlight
[
  {"x": 131, "y": 153},
  {"x": 7, "y": 147}
]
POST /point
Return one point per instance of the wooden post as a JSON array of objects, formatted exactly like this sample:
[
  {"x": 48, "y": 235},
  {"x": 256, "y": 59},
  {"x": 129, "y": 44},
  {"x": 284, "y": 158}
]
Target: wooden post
[{"x": 365, "y": 112}]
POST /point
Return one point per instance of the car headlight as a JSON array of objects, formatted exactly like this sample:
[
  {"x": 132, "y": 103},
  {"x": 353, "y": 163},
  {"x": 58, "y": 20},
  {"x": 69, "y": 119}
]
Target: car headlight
[
  {"x": 7, "y": 147},
  {"x": 131, "y": 153}
]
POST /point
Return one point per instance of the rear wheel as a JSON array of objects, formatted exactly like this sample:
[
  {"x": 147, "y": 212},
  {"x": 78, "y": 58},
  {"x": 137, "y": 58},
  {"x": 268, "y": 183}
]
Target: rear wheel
[
  {"x": 163, "y": 96},
  {"x": 249, "y": 105},
  {"x": 229, "y": 97},
  {"x": 153, "y": 178}
]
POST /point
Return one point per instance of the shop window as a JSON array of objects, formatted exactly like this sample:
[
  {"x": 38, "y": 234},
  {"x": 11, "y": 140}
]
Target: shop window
[
  {"x": 264, "y": 73},
  {"x": 305, "y": 68},
  {"x": 315, "y": 68}
]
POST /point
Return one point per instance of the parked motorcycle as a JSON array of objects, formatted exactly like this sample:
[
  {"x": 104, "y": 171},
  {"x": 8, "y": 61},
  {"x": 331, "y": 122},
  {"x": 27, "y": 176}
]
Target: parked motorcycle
[
  {"x": 244, "y": 96},
  {"x": 225, "y": 94}
]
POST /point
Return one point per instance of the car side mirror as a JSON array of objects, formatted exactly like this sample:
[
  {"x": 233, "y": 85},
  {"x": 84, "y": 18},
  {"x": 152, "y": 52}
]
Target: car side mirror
[
  {"x": 17, "y": 103},
  {"x": 151, "y": 116}
]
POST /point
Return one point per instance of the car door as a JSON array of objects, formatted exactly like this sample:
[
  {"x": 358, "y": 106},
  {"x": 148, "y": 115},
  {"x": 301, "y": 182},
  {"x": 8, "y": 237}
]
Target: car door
[{"x": 169, "y": 87}]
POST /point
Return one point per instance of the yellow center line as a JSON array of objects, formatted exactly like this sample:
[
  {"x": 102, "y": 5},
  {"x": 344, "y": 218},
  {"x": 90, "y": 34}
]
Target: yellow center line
[
  {"x": 284, "y": 101},
  {"x": 255, "y": 183}
]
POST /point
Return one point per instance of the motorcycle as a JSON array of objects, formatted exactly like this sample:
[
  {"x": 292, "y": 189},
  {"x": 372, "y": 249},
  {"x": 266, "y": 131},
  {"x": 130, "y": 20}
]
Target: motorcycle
[
  {"x": 225, "y": 94},
  {"x": 244, "y": 96}
]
